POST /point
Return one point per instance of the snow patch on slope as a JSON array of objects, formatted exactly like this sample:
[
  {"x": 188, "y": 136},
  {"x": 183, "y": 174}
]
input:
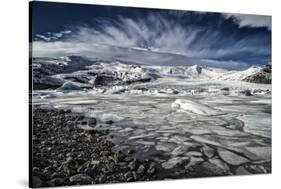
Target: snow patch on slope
[
  {"x": 198, "y": 72},
  {"x": 240, "y": 75}
]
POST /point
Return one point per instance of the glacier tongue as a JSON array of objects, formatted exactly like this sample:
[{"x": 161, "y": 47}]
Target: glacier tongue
[{"x": 195, "y": 107}]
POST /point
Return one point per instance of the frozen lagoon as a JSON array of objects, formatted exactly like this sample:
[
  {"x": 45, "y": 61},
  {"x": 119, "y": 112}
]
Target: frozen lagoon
[{"x": 235, "y": 137}]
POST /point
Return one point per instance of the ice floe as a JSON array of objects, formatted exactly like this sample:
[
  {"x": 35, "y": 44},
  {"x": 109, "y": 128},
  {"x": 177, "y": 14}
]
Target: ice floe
[{"x": 231, "y": 158}]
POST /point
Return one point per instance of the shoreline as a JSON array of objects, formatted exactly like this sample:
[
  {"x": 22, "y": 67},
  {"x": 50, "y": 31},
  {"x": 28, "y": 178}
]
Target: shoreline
[{"x": 66, "y": 155}]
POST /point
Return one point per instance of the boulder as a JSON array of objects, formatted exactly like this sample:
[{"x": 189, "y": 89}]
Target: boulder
[{"x": 248, "y": 92}]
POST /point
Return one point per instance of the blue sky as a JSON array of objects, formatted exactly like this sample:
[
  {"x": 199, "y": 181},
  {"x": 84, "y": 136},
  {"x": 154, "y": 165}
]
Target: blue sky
[{"x": 232, "y": 39}]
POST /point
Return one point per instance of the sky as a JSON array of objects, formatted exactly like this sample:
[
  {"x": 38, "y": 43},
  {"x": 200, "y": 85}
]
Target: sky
[{"x": 230, "y": 40}]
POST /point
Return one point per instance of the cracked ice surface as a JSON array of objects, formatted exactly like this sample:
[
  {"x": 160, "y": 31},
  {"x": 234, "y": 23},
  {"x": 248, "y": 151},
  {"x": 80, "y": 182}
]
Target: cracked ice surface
[{"x": 225, "y": 130}]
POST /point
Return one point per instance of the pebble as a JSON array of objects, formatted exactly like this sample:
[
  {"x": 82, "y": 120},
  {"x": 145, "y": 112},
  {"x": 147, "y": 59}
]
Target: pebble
[
  {"x": 92, "y": 122},
  {"x": 132, "y": 165},
  {"x": 104, "y": 153},
  {"x": 81, "y": 178},
  {"x": 141, "y": 169}
]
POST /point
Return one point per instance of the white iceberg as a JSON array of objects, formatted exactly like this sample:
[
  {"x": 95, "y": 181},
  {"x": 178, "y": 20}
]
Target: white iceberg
[
  {"x": 195, "y": 107},
  {"x": 110, "y": 117}
]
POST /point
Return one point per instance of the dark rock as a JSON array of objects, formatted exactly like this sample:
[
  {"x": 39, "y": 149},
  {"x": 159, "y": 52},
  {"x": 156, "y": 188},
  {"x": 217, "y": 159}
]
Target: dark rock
[
  {"x": 83, "y": 167},
  {"x": 92, "y": 122},
  {"x": 132, "y": 165},
  {"x": 264, "y": 76},
  {"x": 36, "y": 182},
  {"x": 84, "y": 123},
  {"x": 267, "y": 68},
  {"x": 47, "y": 85},
  {"x": 135, "y": 176},
  {"x": 95, "y": 162},
  {"x": 92, "y": 172},
  {"x": 175, "y": 92},
  {"x": 57, "y": 175},
  {"x": 81, "y": 178},
  {"x": 128, "y": 159},
  {"x": 109, "y": 122},
  {"x": 111, "y": 136},
  {"x": 206, "y": 169},
  {"x": 102, "y": 179},
  {"x": 123, "y": 164},
  {"x": 151, "y": 170},
  {"x": 225, "y": 89},
  {"x": 119, "y": 155},
  {"x": 141, "y": 169},
  {"x": 36, "y": 171},
  {"x": 199, "y": 69},
  {"x": 56, "y": 182},
  {"x": 104, "y": 153},
  {"x": 248, "y": 92},
  {"x": 80, "y": 117},
  {"x": 128, "y": 176},
  {"x": 103, "y": 80}
]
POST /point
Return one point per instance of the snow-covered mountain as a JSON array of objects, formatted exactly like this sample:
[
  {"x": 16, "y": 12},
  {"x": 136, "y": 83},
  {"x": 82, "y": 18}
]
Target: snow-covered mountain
[
  {"x": 95, "y": 73},
  {"x": 44, "y": 69}
]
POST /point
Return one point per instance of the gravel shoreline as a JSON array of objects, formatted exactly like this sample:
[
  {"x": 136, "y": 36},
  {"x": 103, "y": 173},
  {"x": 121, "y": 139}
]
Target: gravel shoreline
[{"x": 66, "y": 155}]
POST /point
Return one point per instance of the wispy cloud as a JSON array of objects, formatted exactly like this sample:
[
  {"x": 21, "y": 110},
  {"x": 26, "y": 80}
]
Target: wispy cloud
[
  {"x": 52, "y": 36},
  {"x": 153, "y": 32}
]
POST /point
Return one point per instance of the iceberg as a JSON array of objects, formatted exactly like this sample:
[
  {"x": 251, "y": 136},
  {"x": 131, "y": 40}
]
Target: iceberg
[
  {"x": 195, "y": 107},
  {"x": 106, "y": 117},
  {"x": 69, "y": 86}
]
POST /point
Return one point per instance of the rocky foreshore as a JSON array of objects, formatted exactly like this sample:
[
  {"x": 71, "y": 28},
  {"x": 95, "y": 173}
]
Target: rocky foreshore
[
  {"x": 67, "y": 153},
  {"x": 63, "y": 154}
]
